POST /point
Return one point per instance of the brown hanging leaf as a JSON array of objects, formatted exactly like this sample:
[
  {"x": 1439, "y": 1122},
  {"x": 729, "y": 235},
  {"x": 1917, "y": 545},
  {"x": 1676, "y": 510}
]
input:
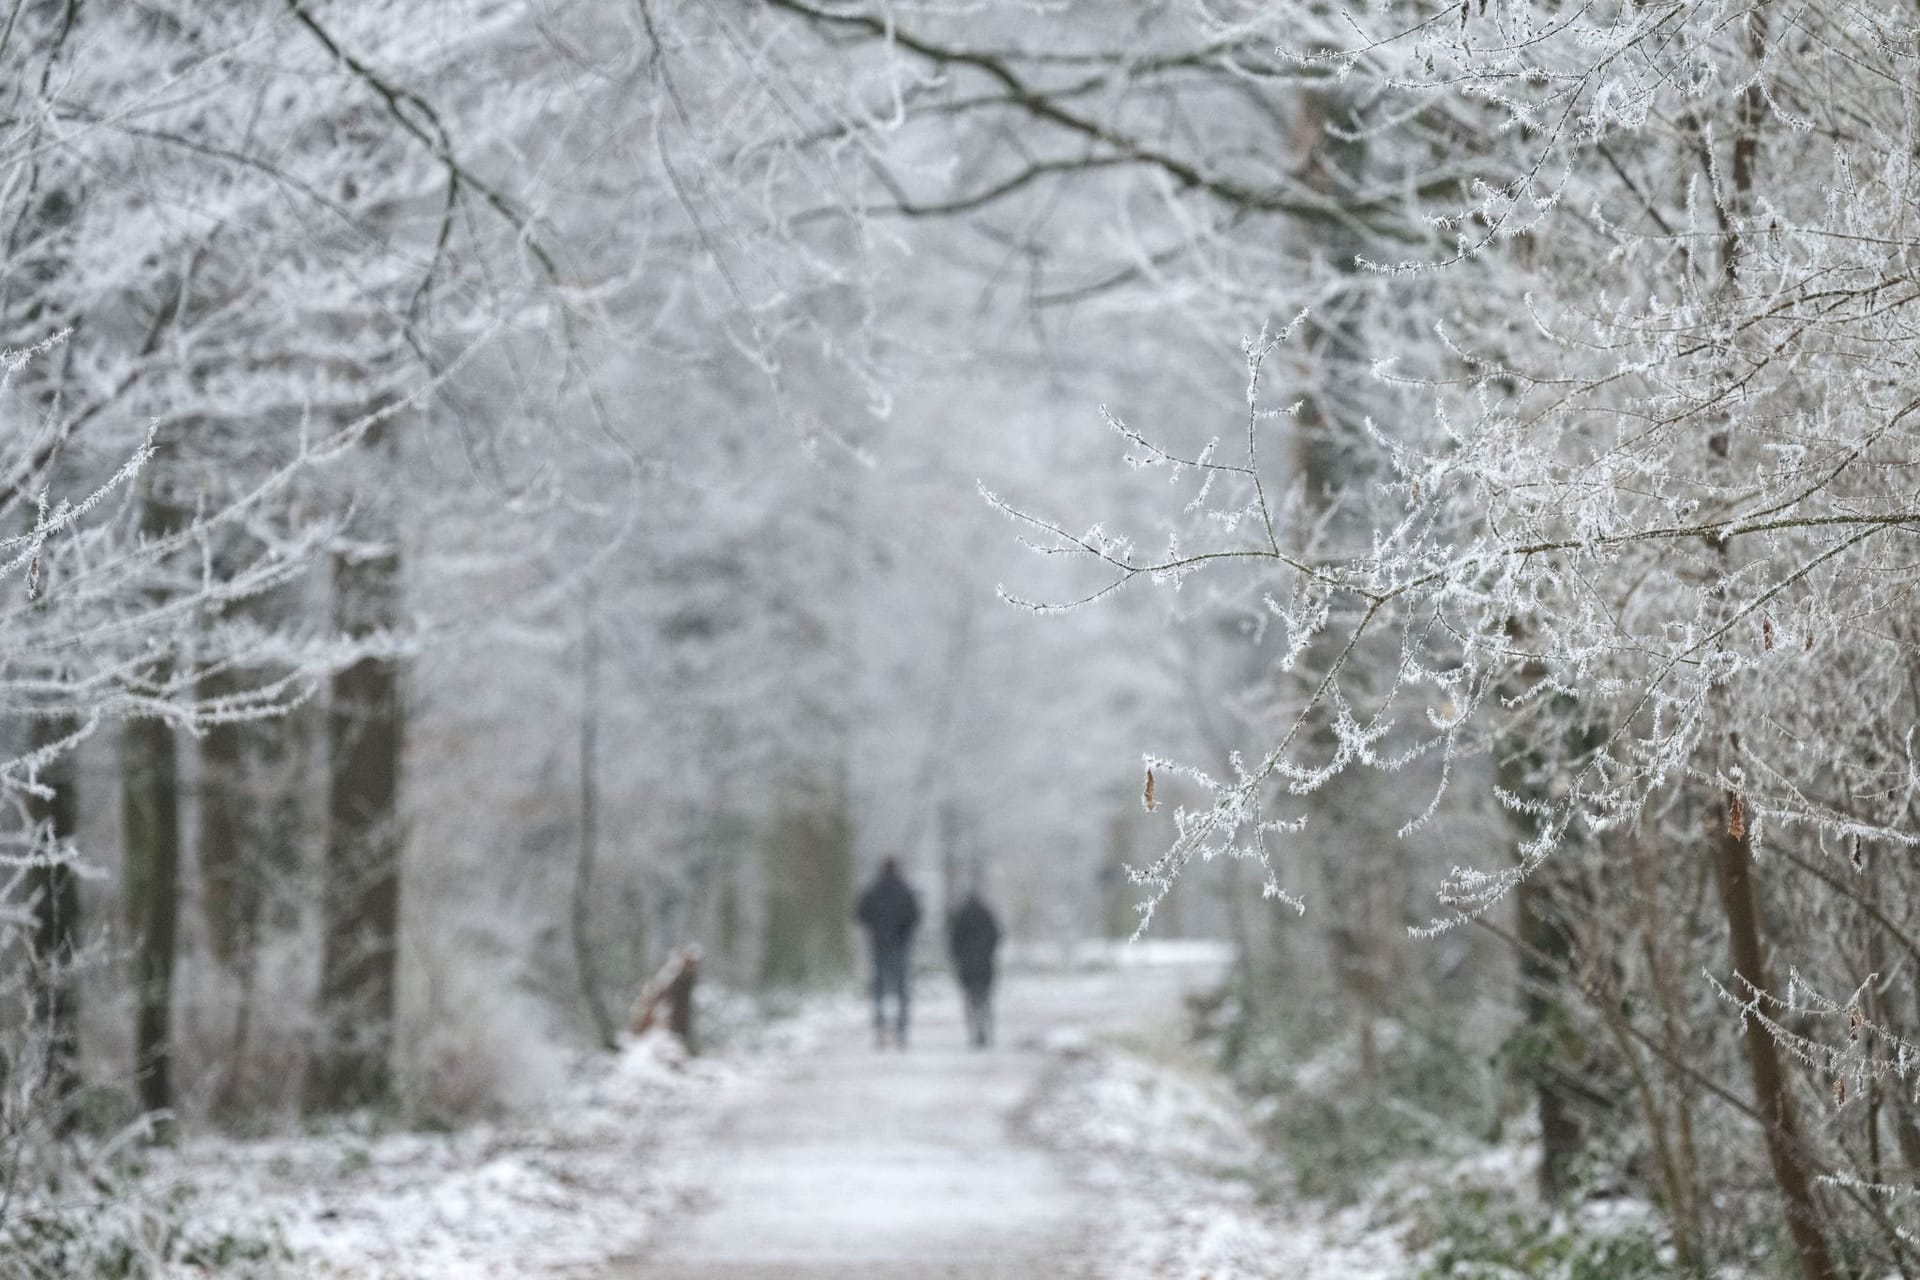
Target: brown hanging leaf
[
  {"x": 1146, "y": 794},
  {"x": 33, "y": 567},
  {"x": 1766, "y": 633},
  {"x": 1736, "y": 818},
  {"x": 1839, "y": 1091},
  {"x": 1857, "y": 855},
  {"x": 1854, "y": 1021}
]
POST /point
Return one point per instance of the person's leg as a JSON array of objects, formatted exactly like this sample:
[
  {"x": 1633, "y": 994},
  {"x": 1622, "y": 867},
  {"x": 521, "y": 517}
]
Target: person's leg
[
  {"x": 903, "y": 981},
  {"x": 890, "y": 964},
  {"x": 986, "y": 1016},
  {"x": 973, "y": 1017}
]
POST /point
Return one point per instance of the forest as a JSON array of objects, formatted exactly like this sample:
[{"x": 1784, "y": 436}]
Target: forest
[{"x": 499, "y": 496}]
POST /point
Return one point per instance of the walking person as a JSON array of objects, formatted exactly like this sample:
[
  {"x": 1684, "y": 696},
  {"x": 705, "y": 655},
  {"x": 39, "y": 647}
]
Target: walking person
[
  {"x": 889, "y": 912},
  {"x": 972, "y": 937}
]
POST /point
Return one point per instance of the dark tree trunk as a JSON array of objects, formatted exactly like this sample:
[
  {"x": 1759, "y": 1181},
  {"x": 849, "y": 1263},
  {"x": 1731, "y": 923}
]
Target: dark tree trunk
[
  {"x": 1772, "y": 1090},
  {"x": 581, "y": 919},
  {"x": 54, "y": 891},
  {"x": 229, "y": 885},
  {"x": 1546, "y": 948},
  {"x": 229, "y": 898},
  {"x": 1361, "y": 877},
  {"x": 150, "y": 816},
  {"x": 246, "y": 836},
  {"x": 1545, "y": 960},
  {"x": 361, "y": 897},
  {"x": 151, "y": 812}
]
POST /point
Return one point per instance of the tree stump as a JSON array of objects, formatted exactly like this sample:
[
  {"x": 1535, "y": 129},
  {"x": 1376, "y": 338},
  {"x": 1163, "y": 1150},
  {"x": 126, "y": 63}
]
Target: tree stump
[{"x": 667, "y": 999}]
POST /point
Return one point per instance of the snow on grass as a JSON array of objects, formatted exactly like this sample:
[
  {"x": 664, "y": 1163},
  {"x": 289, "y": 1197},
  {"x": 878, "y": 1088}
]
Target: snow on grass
[
  {"x": 558, "y": 1192},
  {"x": 1192, "y": 1185},
  {"x": 555, "y": 1193}
]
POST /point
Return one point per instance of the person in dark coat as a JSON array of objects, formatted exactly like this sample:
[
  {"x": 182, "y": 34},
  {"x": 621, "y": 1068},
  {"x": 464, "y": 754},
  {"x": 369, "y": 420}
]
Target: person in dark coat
[
  {"x": 889, "y": 912},
  {"x": 972, "y": 936}
]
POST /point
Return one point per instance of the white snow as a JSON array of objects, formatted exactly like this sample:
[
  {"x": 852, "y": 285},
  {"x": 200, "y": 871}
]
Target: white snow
[
  {"x": 1133, "y": 1161},
  {"x": 1195, "y": 1194},
  {"x": 557, "y": 1192}
]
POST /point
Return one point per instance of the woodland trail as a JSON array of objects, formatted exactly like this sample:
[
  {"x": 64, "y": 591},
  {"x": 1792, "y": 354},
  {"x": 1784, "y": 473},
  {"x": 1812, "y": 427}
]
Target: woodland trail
[{"x": 877, "y": 1165}]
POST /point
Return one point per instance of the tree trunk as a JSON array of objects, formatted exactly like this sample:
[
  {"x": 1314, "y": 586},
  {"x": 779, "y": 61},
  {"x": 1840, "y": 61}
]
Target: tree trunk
[
  {"x": 1732, "y": 848},
  {"x": 1361, "y": 875},
  {"x": 360, "y": 901},
  {"x": 1543, "y": 906},
  {"x": 226, "y": 849},
  {"x": 149, "y": 769},
  {"x": 249, "y": 812},
  {"x": 150, "y": 816},
  {"x": 1772, "y": 1092},
  {"x": 581, "y": 917},
  {"x": 680, "y": 1000},
  {"x": 1545, "y": 959},
  {"x": 54, "y": 891}
]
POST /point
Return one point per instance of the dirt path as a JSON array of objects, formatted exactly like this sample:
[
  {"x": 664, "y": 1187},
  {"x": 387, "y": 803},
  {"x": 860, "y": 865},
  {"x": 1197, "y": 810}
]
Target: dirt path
[{"x": 861, "y": 1164}]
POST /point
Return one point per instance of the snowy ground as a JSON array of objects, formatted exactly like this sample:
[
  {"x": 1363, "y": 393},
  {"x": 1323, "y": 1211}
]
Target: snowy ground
[
  {"x": 1191, "y": 1193},
  {"x": 1085, "y": 1144},
  {"x": 554, "y": 1194}
]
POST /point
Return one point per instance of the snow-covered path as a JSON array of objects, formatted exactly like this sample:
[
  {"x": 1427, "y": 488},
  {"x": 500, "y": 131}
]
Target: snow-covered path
[
  {"x": 863, "y": 1164},
  {"x": 1092, "y": 1143}
]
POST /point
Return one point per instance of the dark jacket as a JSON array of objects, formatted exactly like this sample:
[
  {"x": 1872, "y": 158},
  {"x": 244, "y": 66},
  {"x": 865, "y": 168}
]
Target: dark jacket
[
  {"x": 972, "y": 935},
  {"x": 888, "y": 911}
]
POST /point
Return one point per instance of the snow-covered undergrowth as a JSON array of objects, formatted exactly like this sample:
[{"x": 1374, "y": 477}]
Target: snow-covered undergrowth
[
  {"x": 1200, "y": 1193},
  {"x": 1437, "y": 1145},
  {"x": 563, "y": 1186},
  {"x": 558, "y": 1191},
  {"x": 1476, "y": 1216},
  {"x": 1196, "y": 1195}
]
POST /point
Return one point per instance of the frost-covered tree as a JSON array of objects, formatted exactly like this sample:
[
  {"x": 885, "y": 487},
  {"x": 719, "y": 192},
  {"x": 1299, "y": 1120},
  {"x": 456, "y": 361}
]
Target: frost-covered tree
[
  {"x": 1639, "y": 529},
  {"x": 260, "y": 252}
]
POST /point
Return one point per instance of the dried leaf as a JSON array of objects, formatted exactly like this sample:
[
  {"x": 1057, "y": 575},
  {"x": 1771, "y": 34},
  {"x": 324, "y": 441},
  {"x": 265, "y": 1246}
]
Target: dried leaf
[
  {"x": 1839, "y": 1091},
  {"x": 1736, "y": 817},
  {"x": 1857, "y": 855},
  {"x": 1146, "y": 794},
  {"x": 1766, "y": 633}
]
